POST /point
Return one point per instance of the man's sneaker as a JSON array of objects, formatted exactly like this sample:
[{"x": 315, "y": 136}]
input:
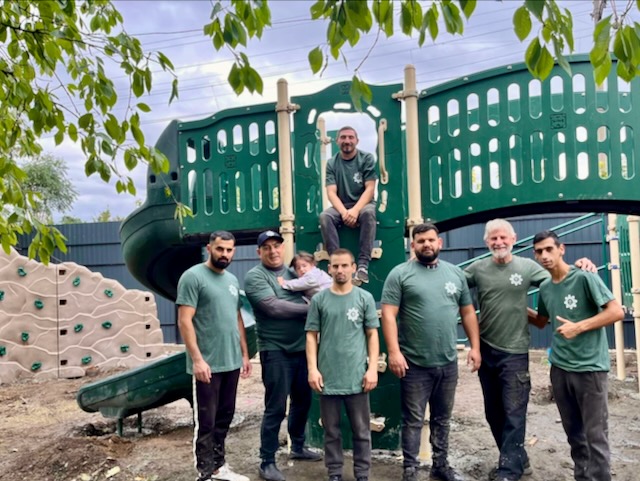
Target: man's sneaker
[
  {"x": 445, "y": 474},
  {"x": 335, "y": 477},
  {"x": 362, "y": 478},
  {"x": 270, "y": 472},
  {"x": 409, "y": 474},
  {"x": 305, "y": 454},
  {"x": 362, "y": 275},
  {"x": 225, "y": 473},
  {"x": 528, "y": 471}
]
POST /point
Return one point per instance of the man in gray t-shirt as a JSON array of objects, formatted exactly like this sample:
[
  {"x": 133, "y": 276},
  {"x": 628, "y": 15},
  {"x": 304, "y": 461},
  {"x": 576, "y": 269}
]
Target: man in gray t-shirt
[{"x": 350, "y": 183}]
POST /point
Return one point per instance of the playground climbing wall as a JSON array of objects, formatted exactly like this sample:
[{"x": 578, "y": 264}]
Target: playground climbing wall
[{"x": 63, "y": 320}]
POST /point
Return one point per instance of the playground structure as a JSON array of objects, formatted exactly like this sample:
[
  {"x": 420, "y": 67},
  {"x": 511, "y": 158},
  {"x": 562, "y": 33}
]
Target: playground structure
[
  {"x": 494, "y": 144},
  {"x": 64, "y": 320}
]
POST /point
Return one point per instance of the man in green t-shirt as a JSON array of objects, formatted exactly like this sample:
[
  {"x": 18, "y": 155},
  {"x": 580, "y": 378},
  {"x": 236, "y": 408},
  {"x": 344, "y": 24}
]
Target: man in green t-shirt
[
  {"x": 351, "y": 182},
  {"x": 280, "y": 317},
  {"x": 421, "y": 301},
  {"x": 342, "y": 359},
  {"x": 211, "y": 326},
  {"x": 579, "y": 306},
  {"x": 503, "y": 281}
]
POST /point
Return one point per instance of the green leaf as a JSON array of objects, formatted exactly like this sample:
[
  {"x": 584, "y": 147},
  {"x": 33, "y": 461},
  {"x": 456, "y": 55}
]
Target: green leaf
[
  {"x": 317, "y": 9},
  {"x": 532, "y": 55},
  {"x": 601, "y": 71},
  {"x": 522, "y": 23},
  {"x": 536, "y": 7},
  {"x": 235, "y": 79},
  {"x": 174, "y": 90},
  {"x": 137, "y": 134},
  {"x": 406, "y": 19},
  {"x": 468, "y": 7},
  {"x": 545, "y": 64},
  {"x": 359, "y": 91},
  {"x": 315, "y": 59},
  {"x": 73, "y": 132},
  {"x": 143, "y": 107},
  {"x": 601, "y": 39}
]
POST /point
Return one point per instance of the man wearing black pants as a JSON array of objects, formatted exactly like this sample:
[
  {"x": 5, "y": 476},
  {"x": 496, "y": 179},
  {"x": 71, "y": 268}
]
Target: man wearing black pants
[
  {"x": 213, "y": 331},
  {"x": 280, "y": 318}
]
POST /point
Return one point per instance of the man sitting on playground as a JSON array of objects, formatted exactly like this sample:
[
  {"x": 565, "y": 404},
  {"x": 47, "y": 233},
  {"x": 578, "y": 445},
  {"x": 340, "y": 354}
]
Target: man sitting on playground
[{"x": 350, "y": 183}]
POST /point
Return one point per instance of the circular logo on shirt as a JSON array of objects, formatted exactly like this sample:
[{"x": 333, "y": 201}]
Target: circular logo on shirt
[
  {"x": 450, "y": 288},
  {"x": 353, "y": 315},
  {"x": 357, "y": 177},
  {"x": 233, "y": 290},
  {"x": 515, "y": 279},
  {"x": 570, "y": 302}
]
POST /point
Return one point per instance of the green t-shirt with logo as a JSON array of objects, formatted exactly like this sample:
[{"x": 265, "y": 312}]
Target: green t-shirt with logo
[
  {"x": 341, "y": 321},
  {"x": 350, "y": 176},
  {"x": 578, "y": 296},
  {"x": 429, "y": 301},
  {"x": 274, "y": 334},
  {"x": 502, "y": 295},
  {"x": 216, "y": 300}
]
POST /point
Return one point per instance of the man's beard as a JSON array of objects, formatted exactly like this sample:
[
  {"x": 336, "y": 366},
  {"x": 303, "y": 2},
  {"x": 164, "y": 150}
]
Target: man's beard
[
  {"x": 221, "y": 263},
  {"x": 427, "y": 258},
  {"x": 501, "y": 254}
]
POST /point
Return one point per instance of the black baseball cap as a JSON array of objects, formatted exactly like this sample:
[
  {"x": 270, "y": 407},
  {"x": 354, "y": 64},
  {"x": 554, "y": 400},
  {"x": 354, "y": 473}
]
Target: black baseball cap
[{"x": 269, "y": 234}]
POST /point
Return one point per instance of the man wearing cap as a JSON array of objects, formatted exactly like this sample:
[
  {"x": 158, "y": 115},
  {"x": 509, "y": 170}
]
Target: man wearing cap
[
  {"x": 351, "y": 183},
  {"x": 280, "y": 320}
]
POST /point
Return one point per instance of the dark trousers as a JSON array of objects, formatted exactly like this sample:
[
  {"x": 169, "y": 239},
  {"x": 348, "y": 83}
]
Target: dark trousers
[
  {"x": 284, "y": 375},
  {"x": 331, "y": 220},
  {"x": 358, "y": 412},
  {"x": 506, "y": 385},
  {"x": 582, "y": 401},
  {"x": 214, "y": 406},
  {"x": 437, "y": 386}
]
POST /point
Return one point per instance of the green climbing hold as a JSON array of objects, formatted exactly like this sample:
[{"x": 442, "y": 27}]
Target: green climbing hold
[
  {"x": 21, "y": 272},
  {"x": 76, "y": 281},
  {"x": 108, "y": 292},
  {"x": 1, "y": 295},
  {"x": 35, "y": 366},
  {"x": 3, "y": 351},
  {"x": 78, "y": 327},
  {"x": 107, "y": 324},
  {"x": 86, "y": 360},
  {"x": 124, "y": 348},
  {"x": 38, "y": 303},
  {"x": 25, "y": 336}
]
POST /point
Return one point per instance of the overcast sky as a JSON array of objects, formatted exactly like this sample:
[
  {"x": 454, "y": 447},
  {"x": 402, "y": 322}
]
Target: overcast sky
[{"x": 175, "y": 28}]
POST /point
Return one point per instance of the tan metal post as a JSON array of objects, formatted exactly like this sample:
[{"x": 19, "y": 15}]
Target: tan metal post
[
  {"x": 410, "y": 97},
  {"x": 324, "y": 141},
  {"x": 287, "y": 228},
  {"x": 616, "y": 287},
  {"x": 634, "y": 250}
]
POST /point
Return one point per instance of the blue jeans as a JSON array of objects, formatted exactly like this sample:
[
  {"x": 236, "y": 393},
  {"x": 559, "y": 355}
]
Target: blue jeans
[
  {"x": 506, "y": 384},
  {"x": 357, "y": 407},
  {"x": 582, "y": 401},
  {"x": 284, "y": 374},
  {"x": 437, "y": 386},
  {"x": 331, "y": 220}
]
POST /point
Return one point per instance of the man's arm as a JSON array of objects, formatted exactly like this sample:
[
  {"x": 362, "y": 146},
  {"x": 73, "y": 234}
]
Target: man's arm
[
  {"x": 315, "y": 377},
  {"x": 610, "y": 313},
  {"x": 370, "y": 380},
  {"x": 281, "y": 309},
  {"x": 246, "y": 365},
  {"x": 536, "y": 319},
  {"x": 201, "y": 370},
  {"x": 471, "y": 328},
  {"x": 300, "y": 284},
  {"x": 397, "y": 362}
]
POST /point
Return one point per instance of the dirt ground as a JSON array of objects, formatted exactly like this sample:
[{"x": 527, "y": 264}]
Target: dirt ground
[{"x": 44, "y": 436}]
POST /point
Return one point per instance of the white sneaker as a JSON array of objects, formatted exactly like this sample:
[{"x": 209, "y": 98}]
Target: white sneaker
[{"x": 225, "y": 474}]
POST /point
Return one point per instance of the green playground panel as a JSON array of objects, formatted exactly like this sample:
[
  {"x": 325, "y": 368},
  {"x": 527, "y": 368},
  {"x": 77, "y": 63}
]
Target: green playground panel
[
  {"x": 523, "y": 141},
  {"x": 229, "y": 170}
]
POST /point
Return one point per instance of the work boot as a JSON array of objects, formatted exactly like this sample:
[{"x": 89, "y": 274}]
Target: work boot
[
  {"x": 305, "y": 454},
  {"x": 527, "y": 471},
  {"x": 270, "y": 472},
  {"x": 410, "y": 474},
  {"x": 446, "y": 473}
]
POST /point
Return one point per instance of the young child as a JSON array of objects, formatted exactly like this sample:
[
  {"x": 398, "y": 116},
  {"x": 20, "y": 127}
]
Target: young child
[{"x": 310, "y": 279}]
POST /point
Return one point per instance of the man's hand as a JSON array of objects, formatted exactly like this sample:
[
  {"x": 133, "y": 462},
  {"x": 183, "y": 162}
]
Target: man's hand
[
  {"x": 315, "y": 380},
  {"x": 280, "y": 280},
  {"x": 398, "y": 364},
  {"x": 370, "y": 380},
  {"x": 474, "y": 359},
  {"x": 585, "y": 264},
  {"x": 202, "y": 371},
  {"x": 350, "y": 217},
  {"x": 245, "y": 370},
  {"x": 568, "y": 329}
]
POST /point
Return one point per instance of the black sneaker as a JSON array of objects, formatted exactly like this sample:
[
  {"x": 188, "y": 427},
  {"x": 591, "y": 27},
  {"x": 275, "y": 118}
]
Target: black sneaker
[
  {"x": 527, "y": 471},
  {"x": 335, "y": 477},
  {"x": 270, "y": 472},
  {"x": 305, "y": 454},
  {"x": 445, "y": 474},
  {"x": 410, "y": 474}
]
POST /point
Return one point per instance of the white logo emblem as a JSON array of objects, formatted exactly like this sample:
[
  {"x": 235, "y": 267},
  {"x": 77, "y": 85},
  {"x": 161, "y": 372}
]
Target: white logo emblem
[
  {"x": 515, "y": 279},
  {"x": 357, "y": 177},
  {"x": 353, "y": 315},
  {"x": 233, "y": 290},
  {"x": 570, "y": 302},
  {"x": 451, "y": 288}
]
